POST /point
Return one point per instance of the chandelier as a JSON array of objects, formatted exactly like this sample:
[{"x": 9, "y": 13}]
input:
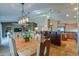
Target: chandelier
[{"x": 23, "y": 19}]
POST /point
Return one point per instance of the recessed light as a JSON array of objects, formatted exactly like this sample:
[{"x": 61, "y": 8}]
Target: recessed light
[
  {"x": 75, "y": 8},
  {"x": 45, "y": 25},
  {"x": 75, "y": 16},
  {"x": 36, "y": 28},
  {"x": 67, "y": 15},
  {"x": 71, "y": 3},
  {"x": 44, "y": 15},
  {"x": 37, "y": 11},
  {"x": 48, "y": 17}
]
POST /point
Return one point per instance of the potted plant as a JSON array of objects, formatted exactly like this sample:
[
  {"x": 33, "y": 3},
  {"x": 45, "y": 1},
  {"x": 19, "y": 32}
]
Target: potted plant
[{"x": 26, "y": 35}]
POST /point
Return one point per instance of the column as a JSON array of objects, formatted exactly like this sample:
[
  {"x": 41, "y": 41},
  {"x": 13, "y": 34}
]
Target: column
[
  {"x": 12, "y": 46},
  {"x": 78, "y": 31},
  {"x": 78, "y": 38}
]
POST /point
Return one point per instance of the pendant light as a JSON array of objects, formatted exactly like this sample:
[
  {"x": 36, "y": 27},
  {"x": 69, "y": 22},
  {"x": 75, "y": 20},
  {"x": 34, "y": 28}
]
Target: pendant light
[{"x": 23, "y": 19}]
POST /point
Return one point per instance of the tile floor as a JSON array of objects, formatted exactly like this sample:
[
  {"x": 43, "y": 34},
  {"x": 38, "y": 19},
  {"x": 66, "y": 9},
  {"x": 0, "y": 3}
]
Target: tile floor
[
  {"x": 4, "y": 51},
  {"x": 4, "y": 48}
]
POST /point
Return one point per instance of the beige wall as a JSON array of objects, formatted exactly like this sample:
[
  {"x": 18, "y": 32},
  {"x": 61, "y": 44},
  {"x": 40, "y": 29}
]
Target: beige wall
[{"x": 54, "y": 27}]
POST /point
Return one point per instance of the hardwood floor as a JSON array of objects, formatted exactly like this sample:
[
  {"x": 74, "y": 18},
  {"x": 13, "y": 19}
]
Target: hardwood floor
[
  {"x": 67, "y": 48},
  {"x": 26, "y": 48}
]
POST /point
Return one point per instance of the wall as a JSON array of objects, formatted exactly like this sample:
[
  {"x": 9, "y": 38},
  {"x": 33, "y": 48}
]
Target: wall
[
  {"x": 42, "y": 22},
  {"x": 16, "y": 25},
  {"x": 12, "y": 25},
  {"x": 70, "y": 26},
  {"x": 0, "y": 32},
  {"x": 9, "y": 18},
  {"x": 54, "y": 25}
]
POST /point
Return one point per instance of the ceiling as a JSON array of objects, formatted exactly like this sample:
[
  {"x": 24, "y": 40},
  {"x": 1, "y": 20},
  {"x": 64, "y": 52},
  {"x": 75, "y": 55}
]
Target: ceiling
[{"x": 10, "y": 12}]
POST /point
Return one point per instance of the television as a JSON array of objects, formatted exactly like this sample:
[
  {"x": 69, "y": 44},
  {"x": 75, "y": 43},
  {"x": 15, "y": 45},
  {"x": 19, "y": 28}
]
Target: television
[{"x": 17, "y": 29}]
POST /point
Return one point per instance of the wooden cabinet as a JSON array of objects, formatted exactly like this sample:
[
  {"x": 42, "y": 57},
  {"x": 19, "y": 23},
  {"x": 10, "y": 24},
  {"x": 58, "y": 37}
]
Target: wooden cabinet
[
  {"x": 63, "y": 36},
  {"x": 55, "y": 38},
  {"x": 68, "y": 35}
]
